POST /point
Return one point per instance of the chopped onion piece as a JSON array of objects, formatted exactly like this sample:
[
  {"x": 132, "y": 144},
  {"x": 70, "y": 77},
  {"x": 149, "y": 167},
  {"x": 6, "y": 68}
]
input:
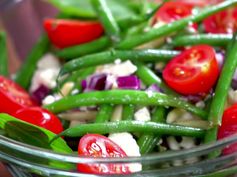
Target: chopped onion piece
[
  {"x": 129, "y": 82},
  {"x": 40, "y": 93}
]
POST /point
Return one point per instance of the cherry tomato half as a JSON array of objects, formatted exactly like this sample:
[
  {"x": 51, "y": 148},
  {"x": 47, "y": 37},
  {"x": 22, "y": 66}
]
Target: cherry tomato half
[
  {"x": 95, "y": 145},
  {"x": 65, "y": 33},
  {"x": 172, "y": 11},
  {"x": 40, "y": 117},
  {"x": 229, "y": 127},
  {"x": 222, "y": 22},
  {"x": 13, "y": 97},
  {"x": 194, "y": 71},
  {"x": 200, "y": 3}
]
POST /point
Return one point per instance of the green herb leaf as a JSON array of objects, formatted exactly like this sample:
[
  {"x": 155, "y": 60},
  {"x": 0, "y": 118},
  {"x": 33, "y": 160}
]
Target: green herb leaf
[{"x": 36, "y": 136}]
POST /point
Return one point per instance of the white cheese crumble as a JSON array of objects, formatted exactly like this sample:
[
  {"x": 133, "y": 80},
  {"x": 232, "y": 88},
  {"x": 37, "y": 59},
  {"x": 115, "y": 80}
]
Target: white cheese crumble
[
  {"x": 118, "y": 69},
  {"x": 232, "y": 96},
  {"x": 142, "y": 114},
  {"x": 129, "y": 145},
  {"x": 47, "y": 71},
  {"x": 51, "y": 98}
]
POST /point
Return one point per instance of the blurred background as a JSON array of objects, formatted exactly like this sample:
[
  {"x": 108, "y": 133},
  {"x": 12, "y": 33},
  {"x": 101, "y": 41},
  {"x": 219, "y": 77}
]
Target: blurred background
[{"x": 28, "y": 15}]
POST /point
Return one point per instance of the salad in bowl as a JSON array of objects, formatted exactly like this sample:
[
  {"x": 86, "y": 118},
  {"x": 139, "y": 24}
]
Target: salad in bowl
[{"x": 133, "y": 88}]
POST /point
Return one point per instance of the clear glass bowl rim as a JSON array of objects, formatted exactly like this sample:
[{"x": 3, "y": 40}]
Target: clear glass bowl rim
[{"x": 154, "y": 157}]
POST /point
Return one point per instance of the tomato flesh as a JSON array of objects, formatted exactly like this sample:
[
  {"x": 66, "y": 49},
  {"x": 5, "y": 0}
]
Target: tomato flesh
[
  {"x": 65, "y": 33},
  {"x": 192, "y": 72},
  {"x": 222, "y": 22},
  {"x": 13, "y": 97},
  {"x": 95, "y": 145},
  {"x": 200, "y": 3},
  {"x": 172, "y": 11},
  {"x": 40, "y": 117},
  {"x": 228, "y": 128}
]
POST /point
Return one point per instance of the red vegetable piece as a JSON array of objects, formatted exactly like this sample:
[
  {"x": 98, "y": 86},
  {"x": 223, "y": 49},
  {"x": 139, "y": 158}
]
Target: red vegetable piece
[
  {"x": 129, "y": 82},
  {"x": 95, "y": 145},
  {"x": 192, "y": 72},
  {"x": 200, "y": 3},
  {"x": 40, "y": 117},
  {"x": 65, "y": 33},
  {"x": 172, "y": 11},
  {"x": 228, "y": 128},
  {"x": 13, "y": 97},
  {"x": 222, "y": 22}
]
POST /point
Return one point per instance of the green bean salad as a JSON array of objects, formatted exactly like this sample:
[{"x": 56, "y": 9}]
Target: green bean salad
[{"x": 128, "y": 78}]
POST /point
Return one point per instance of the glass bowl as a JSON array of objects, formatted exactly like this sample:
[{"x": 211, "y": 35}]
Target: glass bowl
[
  {"x": 25, "y": 161},
  {"x": 24, "y": 158}
]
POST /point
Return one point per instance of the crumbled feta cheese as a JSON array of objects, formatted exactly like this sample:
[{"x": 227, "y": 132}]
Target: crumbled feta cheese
[
  {"x": 200, "y": 104},
  {"x": 47, "y": 71},
  {"x": 118, "y": 61},
  {"x": 118, "y": 69},
  {"x": 149, "y": 93},
  {"x": 50, "y": 99},
  {"x": 48, "y": 61},
  {"x": 142, "y": 114},
  {"x": 232, "y": 96},
  {"x": 129, "y": 145}
]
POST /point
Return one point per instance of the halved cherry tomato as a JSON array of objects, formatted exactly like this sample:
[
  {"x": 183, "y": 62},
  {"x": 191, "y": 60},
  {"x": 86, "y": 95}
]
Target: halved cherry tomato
[
  {"x": 65, "y": 33},
  {"x": 200, "y": 3},
  {"x": 13, "y": 97},
  {"x": 229, "y": 127},
  {"x": 222, "y": 22},
  {"x": 194, "y": 71},
  {"x": 41, "y": 118},
  {"x": 95, "y": 145},
  {"x": 172, "y": 11}
]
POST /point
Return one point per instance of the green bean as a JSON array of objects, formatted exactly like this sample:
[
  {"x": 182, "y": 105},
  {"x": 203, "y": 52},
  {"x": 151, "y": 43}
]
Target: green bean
[
  {"x": 147, "y": 142},
  {"x": 122, "y": 97},
  {"x": 126, "y": 23},
  {"x": 76, "y": 77},
  {"x": 167, "y": 29},
  {"x": 210, "y": 39},
  {"x": 112, "y": 55},
  {"x": 3, "y": 55},
  {"x": 24, "y": 75},
  {"x": 104, "y": 113},
  {"x": 132, "y": 126},
  {"x": 106, "y": 18},
  {"x": 221, "y": 91},
  {"x": 148, "y": 77},
  {"x": 223, "y": 85},
  {"x": 84, "y": 49},
  {"x": 128, "y": 112},
  {"x": 153, "y": 12}
]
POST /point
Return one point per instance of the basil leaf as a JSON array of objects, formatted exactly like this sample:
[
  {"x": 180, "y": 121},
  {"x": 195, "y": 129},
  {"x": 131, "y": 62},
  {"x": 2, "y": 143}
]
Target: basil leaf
[
  {"x": 33, "y": 135},
  {"x": 82, "y": 8}
]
